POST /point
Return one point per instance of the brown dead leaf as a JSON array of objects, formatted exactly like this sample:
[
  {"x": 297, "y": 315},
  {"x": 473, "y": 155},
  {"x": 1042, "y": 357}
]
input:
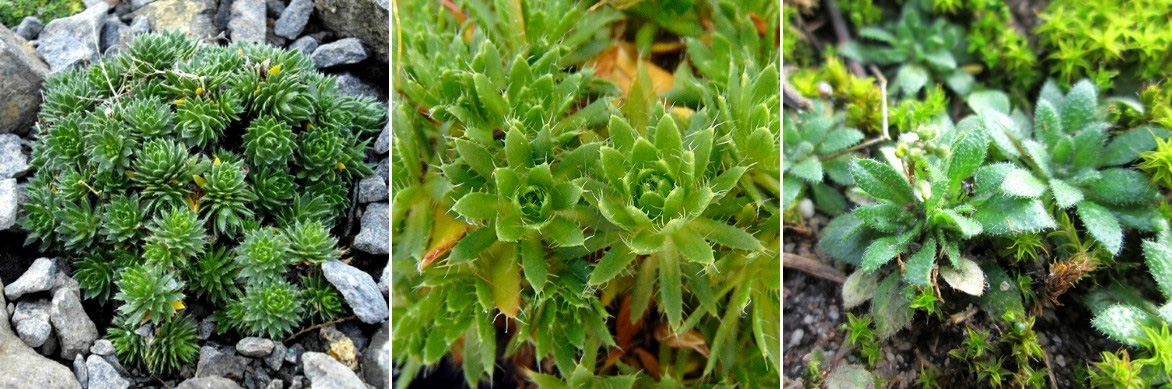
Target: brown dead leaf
[
  {"x": 624, "y": 328},
  {"x": 620, "y": 64},
  {"x": 650, "y": 363},
  {"x": 691, "y": 340},
  {"x": 444, "y": 234}
]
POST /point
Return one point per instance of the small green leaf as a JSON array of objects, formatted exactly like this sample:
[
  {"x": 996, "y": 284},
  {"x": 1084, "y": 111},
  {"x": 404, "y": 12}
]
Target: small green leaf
[
  {"x": 692, "y": 245},
  {"x": 1047, "y": 124},
  {"x": 911, "y": 78},
  {"x": 994, "y": 100},
  {"x": 1020, "y": 183},
  {"x": 890, "y": 308},
  {"x": 1065, "y": 195},
  {"x": 472, "y": 245},
  {"x": 643, "y": 153},
  {"x": 828, "y": 199},
  {"x": 1121, "y": 186},
  {"x": 881, "y": 251},
  {"x": 517, "y": 149},
  {"x": 490, "y": 96},
  {"x": 622, "y": 134},
  {"x": 1037, "y": 152},
  {"x": 849, "y": 376},
  {"x": 725, "y": 235},
  {"x": 1078, "y": 109},
  {"x": 565, "y": 195},
  {"x": 881, "y": 181},
  {"x": 1003, "y": 131},
  {"x": 613, "y": 165},
  {"x": 667, "y": 137},
  {"x": 839, "y": 139},
  {"x": 646, "y": 242},
  {"x": 533, "y": 263},
  {"x": 507, "y": 181},
  {"x": 701, "y": 144},
  {"x": 1003, "y": 215},
  {"x": 990, "y": 177},
  {"x": 1102, "y": 225},
  {"x": 476, "y": 206},
  {"x": 506, "y": 285},
  {"x": 1124, "y": 323},
  {"x": 644, "y": 282},
  {"x": 882, "y": 217},
  {"x": 671, "y": 288},
  {"x": 1127, "y": 147},
  {"x": 1003, "y": 294},
  {"x": 968, "y": 153},
  {"x": 563, "y": 233},
  {"x": 967, "y": 227},
  {"x": 1159, "y": 259},
  {"x": 726, "y": 181},
  {"x": 477, "y": 157},
  {"x": 1088, "y": 144},
  {"x": 919, "y": 266},
  {"x": 846, "y": 238},
  {"x": 611, "y": 265},
  {"x": 540, "y": 175},
  {"x": 790, "y": 188}
]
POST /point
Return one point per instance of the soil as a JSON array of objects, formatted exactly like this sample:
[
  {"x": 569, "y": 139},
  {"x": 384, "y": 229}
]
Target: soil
[{"x": 813, "y": 312}]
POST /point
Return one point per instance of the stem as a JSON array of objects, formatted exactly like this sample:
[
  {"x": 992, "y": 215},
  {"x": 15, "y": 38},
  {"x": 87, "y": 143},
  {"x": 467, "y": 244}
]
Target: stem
[
  {"x": 328, "y": 323},
  {"x": 854, "y": 148},
  {"x": 844, "y": 35}
]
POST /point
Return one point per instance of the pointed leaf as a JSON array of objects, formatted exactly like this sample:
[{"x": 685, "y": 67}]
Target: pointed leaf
[
  {"x": 611, "y": 265},
  {"x": 1121, "y": 186},
  {"x": 911, "y": 78},
  {"x": 667, "y": 137},
  {"x": 692, "y": 245},
  {"x": 828, "y": 199},
  {"x": 517, "y": 150},
  {"x": 565, "y": 195},
  {"x": 476, "y": 156},
  {"x": 726, "y": 181},
  {"x": 563, "y": 233},
  {"x": 671, "y": 288},
  {"x": 506, "y": 285},
  {"x": 881, "y": 181},
  {"x": 622, "y": 134},
  {"x": 882, "y": 217},
  {"x": 1037, "y": 152},
  {"x": 1088, "y": 144},
  {"x": 1159, "y": 259},
  {"x": 1003, "y": 131},
  {"x": 1078, "y": 109},
  {"x": 1065, "y": 196},
  {"x": 990, "y": 177},
  {"x": 1124, "y": 323},
  {"x": 533, "y": 263},
  {"x": 881, "y": 251},
  {"x": 472, "y": 245},
  {"x": 967, "y": 227},
  {"x": 1047, "y": 123},
  {"x": 476, "y": 206},
  {"x": 644, "y": 282},
  {"x": 919, "y": 266},
  {"x": 968, "y": 153},
  {"x": 725, "y": 235},
  {"x": 1002, "y": 215},
  {"x": 846, "y": 238},
  {"x": 839, "y": 139},
  {"x": 1102, "y": 225},
  {"x": 890, "y": 308},
  {"x": 613, "y": 166},
  {"x": 1127, "y": 147},
  {"x": 1020, "y": 183},
  {"x": 988, "y": 100}
]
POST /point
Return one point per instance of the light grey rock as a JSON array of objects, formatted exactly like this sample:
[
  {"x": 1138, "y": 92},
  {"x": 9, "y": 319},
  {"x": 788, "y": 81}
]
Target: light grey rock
[
  {"x": 22, "y": 72},
  {"x": 10, "y": 197},
  {"x": 80, "y": 371},
  {"x": 73, "y": 41},
  {"x": 293, "y": 18},
  {"x": 136, "y": 4},
  {"x": 223, "y": 14},
  {"x": 140, "y": 25},
  {"x": 208, "y": 383},
  {"x": 206, "y": 327},
  {"x": 277, "y": 357},
  {"x": 362, "y": 19},
  {"x": 374, "y": 236},
  {"x": 30, "y": 28},
  {"x": 13, "y": 162},
  {"x": 122, "y": 9},
  {"x": 298, "y": 382},
  {"x": 38, "y": 277},
  {"x": 276, "y": 384},
  {"x": 50, "y": 347},
  {"x": 102, "y": 375},
  {"x": 349, "y": 85},
  {"x": 340, "y": 52},
  {"x": 31, "y": 319},
  {"x": 383, "y": 170},
  {"x": 382, "y": 145},
  {"x": 359, "y": 290},
  {"x": 23, "y": 368},
  {"x": 356, "y": 334},
  {"x": 324, "y": 372},
  {"x": 75, "y": 330},
  {"x": 114, "y": 32},
  {"x": 376, "y": 360},
  {"x": 191, "y": 17},
  {"x": 214, "y": 362},
  {"x": 294, "y": 354},
  {"x": 90, "y": 3},
  {"x": 63, "y": 281},
  {"x": 384, "y": 282},
  {"x": 103, "y": 347},
  {"x": 307, "y": 44},
  {"x": 248, "y": 21},
  {"x": 254, "y": 347},
  {"x": 371, "y": 189}
]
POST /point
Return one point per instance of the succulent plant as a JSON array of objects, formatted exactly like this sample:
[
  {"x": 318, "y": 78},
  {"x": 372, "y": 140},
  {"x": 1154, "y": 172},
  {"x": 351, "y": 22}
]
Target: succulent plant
[
  {"x": 263, "y": 255},
  {"x": 271, "y": 309},
  {"x": 148, "y": 293}
]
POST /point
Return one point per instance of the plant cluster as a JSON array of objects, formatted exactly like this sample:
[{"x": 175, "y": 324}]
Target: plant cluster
[
  {"x": 174, "y": 171},
  {"x": 1105, "y": 40},
  {"x": 570, "y": 191},
  {"x": 13, "y": 12}
]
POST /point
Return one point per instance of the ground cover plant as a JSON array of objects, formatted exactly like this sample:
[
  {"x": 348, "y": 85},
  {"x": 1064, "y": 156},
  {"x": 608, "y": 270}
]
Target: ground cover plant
[
  {"x": 13, "y": 12},
  {"x": 1004, "y": 187},
  {"x": 177, "y": 171},
  {"x": 589, "y": 193}
]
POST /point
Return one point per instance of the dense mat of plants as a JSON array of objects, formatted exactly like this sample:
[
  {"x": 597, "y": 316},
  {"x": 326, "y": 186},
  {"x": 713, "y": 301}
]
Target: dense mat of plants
[
  {"x": 587, "y": 195},
  {"x": 12, "y": 12},
  {"x": 177, "y": 171},
  {"x": 1012, "y": 174}
]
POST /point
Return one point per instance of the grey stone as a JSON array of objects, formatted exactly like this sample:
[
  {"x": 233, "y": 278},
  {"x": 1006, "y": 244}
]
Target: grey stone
[
  {"x": 293, "y": 18},
  {"x": 114, "y": 32},
  {"x": 10, "y": 197},
  {"x": 140, "y": 25},
  {"x": 191, "y": 17},
  {"x": 351, "y": 330},
  {"x": 371, "y": 189},
  {"x": 349, "y": 85},
  {"x": 50, "y": 347},
  {"x": 122, "y": 9},
  {"x": 340, "y": 52},
  {"x": 276, "y": 384},
  {"x": 75, "y": 330},
  {"x": 73, "y": 41},
  {"x": 31, "y": 319},
  {"x": 63, "y": 281},
  {"x": 307, "y": 44},
  {"x": 214, "y": 362},
  {"x": 30, "y": 28},
  {"x": 298, "y": 382},
  {"x": 80, "y": 371},
  {"x": 22, "y": 71},
  {"x": 254, "y": 347},
  {"x": 373, "y": 237},
  {"x": 383, "y": 170},
  {"x": 324, "y": 372},
  {"x": 382, "y": 145},
  {"x": 208, "y": 383},
  {"x": 91, "y": 3},
  {"x": 359, "y": 290},
  {"x": 384, "y": 282},
  {"x": 223, "y": 14},
  {"x": 103, "y": 347},
  {"x": 248, "y": 21},
  {"x": 275, "y": 8},
  {"x": 38, "y": 277},
  {"x": 102, "y": 375},
  {"x": 362, "y": 19},
  {"x": 13, "y": 162},
  {"x": 206, "y": 327},
  {"x": 277, "y": 357},
  {"x": 256, "y": 378},
  {"x": 294, "y": 354},
  {"x": 22, "y": 367},
  {"x": 376, "y": 360},
  {"x": 136, "y": 4}
]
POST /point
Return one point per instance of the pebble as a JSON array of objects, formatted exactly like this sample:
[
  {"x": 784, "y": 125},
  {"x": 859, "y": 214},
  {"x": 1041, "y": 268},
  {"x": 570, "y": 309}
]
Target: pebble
[
  {"x": 796, "y": 337},
  {"x": 806, "y": 207},
  {"x": 254, "y": 347},
  {"x": 103, "y": 347},
  {"x": 13, "y": 162},
  {"x": 30, "y": 28},
  {"x": 307, "y": 44},
  {"x": 340, "y": 52},
  {"x": 359, "y": 290},
  {"x": 293, "y": 18},
  {"x": 1060, "y": 360},
  {"x": 38, "y": 278}
]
